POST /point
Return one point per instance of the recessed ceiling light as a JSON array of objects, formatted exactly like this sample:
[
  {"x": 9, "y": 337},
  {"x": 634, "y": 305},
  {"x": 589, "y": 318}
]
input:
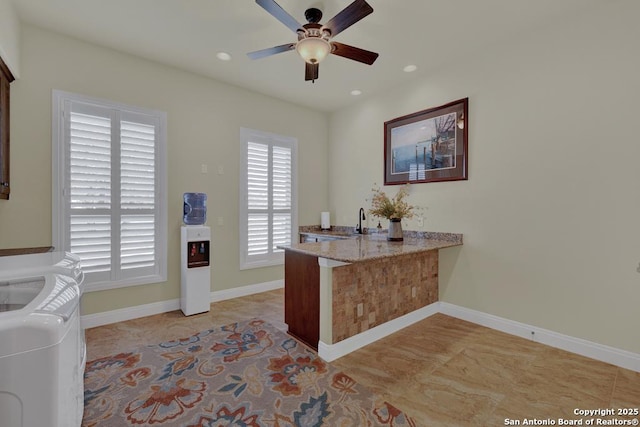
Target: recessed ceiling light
[
  {"x": 410, "y": 68},
  {"x": 223, "y": 56},
  {"x": 356, "y": 92}
]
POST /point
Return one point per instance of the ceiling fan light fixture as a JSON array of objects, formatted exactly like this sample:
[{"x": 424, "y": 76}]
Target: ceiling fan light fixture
[
  {"x": 314, "y": 39},
  {"x": 313, "y": 49}
]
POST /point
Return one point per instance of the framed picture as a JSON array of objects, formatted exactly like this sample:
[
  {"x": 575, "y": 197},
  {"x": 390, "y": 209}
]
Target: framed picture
[{"x": 427, "y": 146}]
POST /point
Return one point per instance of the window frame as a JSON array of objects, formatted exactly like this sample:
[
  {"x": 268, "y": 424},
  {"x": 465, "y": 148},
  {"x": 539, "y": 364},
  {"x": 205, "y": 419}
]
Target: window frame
[
  {"x": 60, "y": 200},
  {"x": 276, "y": 257}
]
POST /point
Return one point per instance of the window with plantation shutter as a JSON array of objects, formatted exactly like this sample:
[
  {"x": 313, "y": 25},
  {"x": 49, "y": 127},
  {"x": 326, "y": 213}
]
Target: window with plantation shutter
[
  {"x": 109, "y": 183},
  {"x": 267, "y": 197}
]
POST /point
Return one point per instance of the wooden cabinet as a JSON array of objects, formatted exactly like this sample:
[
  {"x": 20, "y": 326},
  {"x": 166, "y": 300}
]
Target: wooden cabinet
[
  {"x": 5, "y": 79},
  {"x": 302, "y": 297}
]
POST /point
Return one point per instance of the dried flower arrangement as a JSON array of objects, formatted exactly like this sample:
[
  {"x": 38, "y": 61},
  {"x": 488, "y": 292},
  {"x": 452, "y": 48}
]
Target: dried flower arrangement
[{"x": 395, "y": 208}]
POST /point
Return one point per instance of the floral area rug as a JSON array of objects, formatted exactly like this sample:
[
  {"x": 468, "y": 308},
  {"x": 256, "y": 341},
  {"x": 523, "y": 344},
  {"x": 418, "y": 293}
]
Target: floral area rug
[{"x": 242, "y": 374}]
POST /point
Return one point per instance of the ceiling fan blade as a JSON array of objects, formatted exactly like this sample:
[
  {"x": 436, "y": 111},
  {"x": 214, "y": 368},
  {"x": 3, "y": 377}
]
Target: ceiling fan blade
[
  {"x": 348, "y": 16},
  {"x": 271, "y": 51},
  {"x": 354, "y": 53},
  {"x": 311, "y": 71},
  {"x": 280, "y": 14}
]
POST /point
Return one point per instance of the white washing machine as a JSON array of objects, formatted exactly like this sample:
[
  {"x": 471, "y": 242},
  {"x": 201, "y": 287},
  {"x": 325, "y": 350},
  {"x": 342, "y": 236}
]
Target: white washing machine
[{"x": 42, "y": 347}]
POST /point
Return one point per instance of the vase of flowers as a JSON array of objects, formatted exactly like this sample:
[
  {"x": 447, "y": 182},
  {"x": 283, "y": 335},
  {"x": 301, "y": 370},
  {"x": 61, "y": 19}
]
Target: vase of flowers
[{"x": 394, "y": 209}]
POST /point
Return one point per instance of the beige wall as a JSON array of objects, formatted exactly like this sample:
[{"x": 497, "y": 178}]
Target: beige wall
[
  {"x": 551, "y": 210},
  {"x": 10, "y": 37},
  {"x": 204, "y": 120}
]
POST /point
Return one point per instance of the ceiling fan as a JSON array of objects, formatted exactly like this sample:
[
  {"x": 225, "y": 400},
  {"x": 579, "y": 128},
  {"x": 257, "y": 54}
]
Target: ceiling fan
[{"x": 315, "y": 39}]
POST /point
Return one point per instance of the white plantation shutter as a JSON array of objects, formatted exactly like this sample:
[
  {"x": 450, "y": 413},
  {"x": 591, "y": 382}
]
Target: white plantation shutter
[
  {"x": 281, "y": 230},
  {"x": 282, "y": 193},
  {"x": 137, "y": 195},
  {"x": 90, "y": 189},
  {"x": 109, "y": 185},
  {"x": 257, "y": 175},
  {"x": 257, "y": 199},
  {"x": 268, "y": 208},
  {"x": 137, "y": 166},
  {"x": 90, "y": 239},
  {"x": 258, "y": 234}
]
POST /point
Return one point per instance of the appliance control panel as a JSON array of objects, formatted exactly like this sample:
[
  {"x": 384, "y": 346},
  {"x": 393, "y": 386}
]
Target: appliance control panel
[{"x": 198, "y": 254}]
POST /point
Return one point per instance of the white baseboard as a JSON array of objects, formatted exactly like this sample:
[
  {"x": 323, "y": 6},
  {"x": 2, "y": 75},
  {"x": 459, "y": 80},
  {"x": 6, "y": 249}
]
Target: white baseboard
[
  {"x": 129, "y": 313},
  {"x": 331, "y": 352},
  {"x": 243, "y": 291},
  {"x": 604, "y": 353}
]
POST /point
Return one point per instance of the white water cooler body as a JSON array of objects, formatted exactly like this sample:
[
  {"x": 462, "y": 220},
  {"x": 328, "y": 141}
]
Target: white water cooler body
[{"x": 195, "y": 277}]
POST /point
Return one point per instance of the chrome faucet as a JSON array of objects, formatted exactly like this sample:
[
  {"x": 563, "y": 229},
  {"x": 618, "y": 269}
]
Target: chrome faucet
[{"x": 360, "y": 218}]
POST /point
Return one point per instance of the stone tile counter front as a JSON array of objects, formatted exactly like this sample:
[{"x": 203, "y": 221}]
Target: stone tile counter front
[
  {"x": 336, "y": 290},
  {"x": 387, "y": 289}
]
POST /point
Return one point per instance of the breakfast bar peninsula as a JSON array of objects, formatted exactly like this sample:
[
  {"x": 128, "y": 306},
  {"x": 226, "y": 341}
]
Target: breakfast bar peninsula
[{"x": 340, "y": 286}]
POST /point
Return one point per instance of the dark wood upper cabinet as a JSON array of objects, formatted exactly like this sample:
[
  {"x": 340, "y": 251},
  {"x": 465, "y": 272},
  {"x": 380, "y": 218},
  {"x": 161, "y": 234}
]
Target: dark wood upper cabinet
[{"x": 5, "y": 80}]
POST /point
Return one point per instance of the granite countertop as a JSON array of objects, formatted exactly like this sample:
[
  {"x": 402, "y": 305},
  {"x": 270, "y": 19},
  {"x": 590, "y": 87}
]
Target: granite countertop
[{"x": 365, "y": 247}]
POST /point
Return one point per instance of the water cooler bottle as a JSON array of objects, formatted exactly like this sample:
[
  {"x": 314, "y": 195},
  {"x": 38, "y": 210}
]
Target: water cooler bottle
[{"x": 195, "y": 276}]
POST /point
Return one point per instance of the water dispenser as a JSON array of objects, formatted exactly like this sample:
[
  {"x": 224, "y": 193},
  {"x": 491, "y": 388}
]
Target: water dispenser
[{"x": 195, "y": 271}]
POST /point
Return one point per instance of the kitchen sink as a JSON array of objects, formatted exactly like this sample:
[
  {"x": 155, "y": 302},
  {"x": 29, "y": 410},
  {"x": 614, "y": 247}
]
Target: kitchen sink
[{"x": 313, "y": 237}]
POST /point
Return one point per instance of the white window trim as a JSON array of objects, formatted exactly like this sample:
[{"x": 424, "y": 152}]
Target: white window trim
[
  {"x": 272, "y": 139},
  {"x": 59, "y": 210}
]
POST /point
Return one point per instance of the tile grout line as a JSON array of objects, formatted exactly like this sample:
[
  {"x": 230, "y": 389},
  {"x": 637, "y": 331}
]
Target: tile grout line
[{"x": 615, "y": 384}]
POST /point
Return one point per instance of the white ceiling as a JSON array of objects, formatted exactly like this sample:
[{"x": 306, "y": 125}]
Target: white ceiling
[{"x": 188, "y": 34}]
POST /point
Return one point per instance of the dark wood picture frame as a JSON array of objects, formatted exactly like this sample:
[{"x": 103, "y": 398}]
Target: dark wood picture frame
[{"x": 427, "y": 146}]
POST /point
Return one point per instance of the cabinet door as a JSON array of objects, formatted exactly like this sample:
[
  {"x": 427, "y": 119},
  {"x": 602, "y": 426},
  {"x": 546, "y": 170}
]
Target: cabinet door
[
  {"x": 302, "y": 297},
  {"x": 5, "y": 79}
]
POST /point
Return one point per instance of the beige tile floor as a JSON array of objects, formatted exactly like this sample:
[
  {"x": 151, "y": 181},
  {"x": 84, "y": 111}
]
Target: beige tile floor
[{"x": 442, "y": 371}]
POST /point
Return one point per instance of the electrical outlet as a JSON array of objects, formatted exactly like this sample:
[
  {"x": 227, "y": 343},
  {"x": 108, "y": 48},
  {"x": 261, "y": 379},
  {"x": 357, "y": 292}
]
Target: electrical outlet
[
  {"x": 220, "y": 170},
  {"x": 204, "y": 168},
  {"x": 220, "y": 220},
  {"x": 360, "y": 310},
  {"x": 414, "y": 292},
  {"x": 420, "y": 222}
]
